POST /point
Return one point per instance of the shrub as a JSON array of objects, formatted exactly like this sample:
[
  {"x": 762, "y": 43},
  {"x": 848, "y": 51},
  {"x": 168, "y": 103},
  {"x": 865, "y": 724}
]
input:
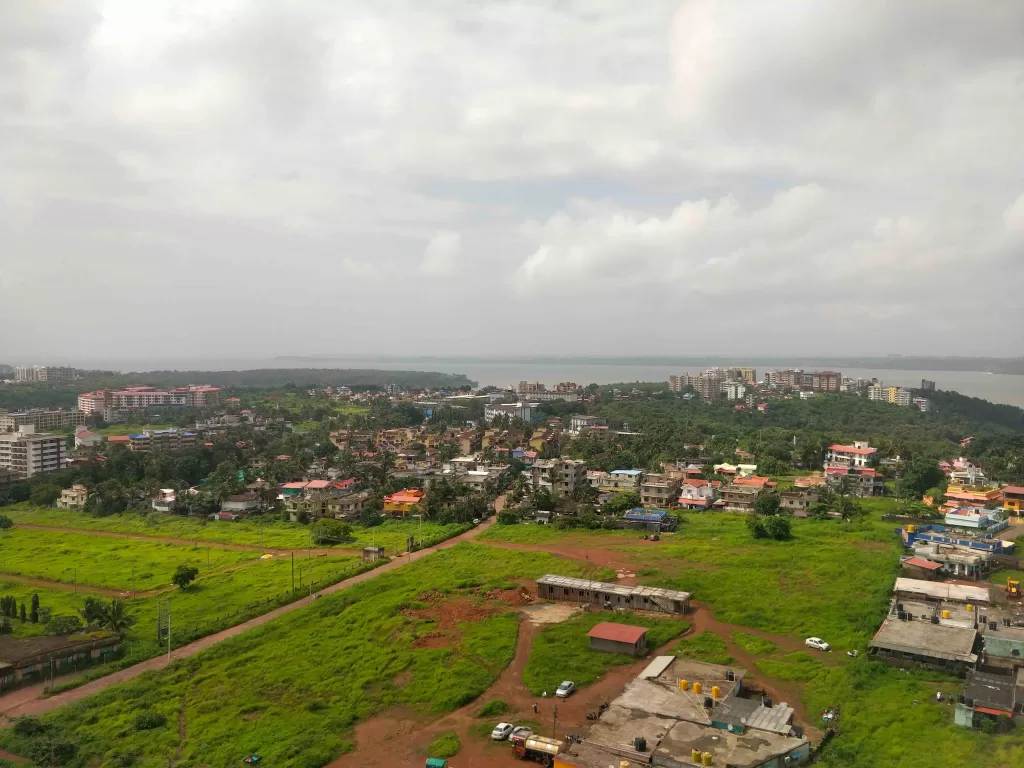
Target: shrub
[
  {"x": 147, "y": 720},
  {"x": 5, "y": 522},
  {"x": 63, "y": 625},
  {"x": 184, "y": 575},
  {"x": 445, "y": 745},
  {"x": 29, "y": 725},
  {"x": 493, "y": 708},
  {"x": 51, "y": 750},
  {"x": 507, "y": 517}
]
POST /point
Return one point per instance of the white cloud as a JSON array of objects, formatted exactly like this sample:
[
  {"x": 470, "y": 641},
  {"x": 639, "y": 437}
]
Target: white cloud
[
  {"x": 1014, "y": 217},
  {"x": 441, "y": 254}
]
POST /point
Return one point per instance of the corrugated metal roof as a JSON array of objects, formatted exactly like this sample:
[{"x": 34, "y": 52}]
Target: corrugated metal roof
[
  {"x": 942, "y": 591},
  {"x": 620, "y": 633},
  {"x": 616, "y": 589}
]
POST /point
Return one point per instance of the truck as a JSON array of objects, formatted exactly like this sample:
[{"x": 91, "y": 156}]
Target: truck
[{"x": 538, "y": 748}]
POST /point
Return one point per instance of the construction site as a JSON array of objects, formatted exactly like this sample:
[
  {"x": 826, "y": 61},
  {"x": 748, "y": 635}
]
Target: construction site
[{"x": 679, "y": 712}]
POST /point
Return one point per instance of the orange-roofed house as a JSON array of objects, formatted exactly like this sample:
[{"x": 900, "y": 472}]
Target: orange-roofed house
[
  {"x": 1013, "y": 499},
  {"x": 965, "y": 496},
  {"x": 402, "y": 503}
]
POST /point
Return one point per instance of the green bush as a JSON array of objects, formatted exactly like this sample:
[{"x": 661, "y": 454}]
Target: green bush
[
  {"x": 51, "y": 750},
  {"x": 147, "y": 720},
  {"x": 754, "y": 644},
  {"x": 493, "y": 708},
  {"x": 63, "y": 625},
  {"x": 445, "y": 745},
  {"x": 707, "y": 646}
]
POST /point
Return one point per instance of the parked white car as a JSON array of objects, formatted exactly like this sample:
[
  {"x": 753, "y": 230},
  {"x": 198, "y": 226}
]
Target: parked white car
[
  {"x": 502, "y": 731},
  {"x": 818, "y": 643},
  {"x": 566, "y": 689}
]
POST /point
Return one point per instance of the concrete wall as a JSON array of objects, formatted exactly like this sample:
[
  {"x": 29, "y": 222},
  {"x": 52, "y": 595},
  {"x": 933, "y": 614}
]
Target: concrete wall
[{"x": 616, "y": 646}]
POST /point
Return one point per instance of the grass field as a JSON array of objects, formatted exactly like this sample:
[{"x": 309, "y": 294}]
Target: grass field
[
  {"x": 707, "y": 646},
  {"x": 291, "y": 689},
  {"x": 105, "y": 562},
  {"x": 832, "y": 579},
  {"x": 548, "y": 534},
  {"x": 130, "y": 429},
  {"x": 754, "y": 644},
  {"x": 562, "y": 651},
  {"x": 274, "y": 534}
]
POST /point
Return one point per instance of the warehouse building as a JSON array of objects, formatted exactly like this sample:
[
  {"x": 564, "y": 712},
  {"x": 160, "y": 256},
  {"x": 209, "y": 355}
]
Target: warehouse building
[{"x": 610, "y": 596}]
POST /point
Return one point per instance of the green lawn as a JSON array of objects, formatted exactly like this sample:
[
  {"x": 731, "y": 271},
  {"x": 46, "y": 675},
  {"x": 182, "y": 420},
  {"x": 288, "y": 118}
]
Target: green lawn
[
  {"x": 546, "y": 534},
  {"x": 105, "y": 562},
  {"x": 59, "y": 603},
  {"x": 562, "y": 651},
  {"x": 273, "y": 534},
  {"x": 707, "y": 646},
  {"x": 292, "y": 689},
  {"x": 754, "y": 644},
  {"x": 831, "y": 580}
]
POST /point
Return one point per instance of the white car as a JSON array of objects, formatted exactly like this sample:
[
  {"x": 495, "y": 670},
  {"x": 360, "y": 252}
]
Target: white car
[
  {"x": 565, "y": 690},
  {"x": 817, "y": 642},
  {"x": 501, "y": 731}
]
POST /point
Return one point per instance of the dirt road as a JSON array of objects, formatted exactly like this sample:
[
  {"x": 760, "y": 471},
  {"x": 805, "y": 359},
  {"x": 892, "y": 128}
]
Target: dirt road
[{"x": 19, "y": 702}]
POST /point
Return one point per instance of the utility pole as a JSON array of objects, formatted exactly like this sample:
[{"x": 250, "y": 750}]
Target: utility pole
[
  {"x": 554, "y": 722},
  {"x": 293, "y": 571}
]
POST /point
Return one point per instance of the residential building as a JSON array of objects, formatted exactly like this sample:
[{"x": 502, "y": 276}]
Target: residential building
[
  {"x": 166, "y": 500},
  {"x": 659, "y": 490},
  {"x": 27, "y": 453},
  {"x": 697, "y": 493},
  {"x": 239, "y": 505},
  {"x": 348, "y": 506},
  {"x": 878, "y": 393},
  {"x": 862, "y": 481},
  {"x": 740, "y": 496},
  {"x": 818, "y": 381},
  {"x": 807, "y": 394},
  {"x": 856, "y": 455},
  {"x": 560, "y": 476},
  {"x": 927, "y": 386},
  {"x": 161, "y": 441},
  {"x": 1002, "y": 634},
  {"x": 989, "y": 697},
  {"x": 616, "y": 480},
  {"x": 73, "y": 497},
  {"x": 1013, "y": 499},
  {"x": 798, "y": 502},
  {"x": 523, "y": 411},
  {"x": 44, "y": 373},
  {"x": 922, "y": 404},
  {"x": 580, "y": 423},
  {"x": 404, "y": 502},
  {"x": 733, "y": 390},
  {"x": 86, "y": 439},
  {"x": 135, "y": 398},
  {"x": 40, "y": 419},
  {"x": 901, "y": 397},
  {"x": 959, "y": 495}
]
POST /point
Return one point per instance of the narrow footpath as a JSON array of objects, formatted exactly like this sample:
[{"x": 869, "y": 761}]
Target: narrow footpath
[{"x": 30, "y": 701}]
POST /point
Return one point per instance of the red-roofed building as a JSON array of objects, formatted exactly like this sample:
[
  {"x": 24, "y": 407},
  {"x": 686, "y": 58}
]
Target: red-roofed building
[
  {"x": 618, "y": 638},
  {"x": 921, "y": 568},
  {"x": 856, "y": 455}
]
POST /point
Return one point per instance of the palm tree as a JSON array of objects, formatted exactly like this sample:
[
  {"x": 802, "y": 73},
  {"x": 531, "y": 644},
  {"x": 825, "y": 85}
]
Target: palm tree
[{"x": 115, "y": 616}]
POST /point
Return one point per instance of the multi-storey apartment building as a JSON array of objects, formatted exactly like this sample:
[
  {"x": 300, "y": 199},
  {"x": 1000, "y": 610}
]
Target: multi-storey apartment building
[
  {"x": 161, "y": 441},
  {"x": 40, "y": 419},
  {"x": 27, "y": 453},
  {"x": 558, "y": 475},
  {"x": 135, "y": 398},
  {"x": 44, "y": 373}
]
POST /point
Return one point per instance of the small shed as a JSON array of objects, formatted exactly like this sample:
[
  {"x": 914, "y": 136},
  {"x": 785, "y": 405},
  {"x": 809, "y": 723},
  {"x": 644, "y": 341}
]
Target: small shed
[
  {"x": 921, "y": 568},
  {"x": 372, "y": 554},
  {"x": 653, "y": 520},
  {"x": 618, "y": 638}
]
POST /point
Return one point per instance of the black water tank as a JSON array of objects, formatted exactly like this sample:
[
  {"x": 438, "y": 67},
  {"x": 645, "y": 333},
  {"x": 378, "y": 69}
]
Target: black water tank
[
  {"x": 766, "y": 702},
  {"x": 899, "y": 607},
  {"x": 1006, "y": 621},
  {"x": 640, "y": 744},
  {"x": 968, "y": 701},
  {"x": 992, "y": 626},
  {"x": 935, "y": 619},
  {"x": 901, "y": 616},
  {"x": 709, "y": 703}
]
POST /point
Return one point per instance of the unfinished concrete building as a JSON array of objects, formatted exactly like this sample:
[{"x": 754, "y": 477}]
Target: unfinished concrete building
[{"x": 607, "y": 596}]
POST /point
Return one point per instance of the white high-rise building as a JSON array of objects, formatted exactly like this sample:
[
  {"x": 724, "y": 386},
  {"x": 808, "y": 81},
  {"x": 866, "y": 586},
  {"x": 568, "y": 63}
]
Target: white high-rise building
[{"x": 27, "y": 452}]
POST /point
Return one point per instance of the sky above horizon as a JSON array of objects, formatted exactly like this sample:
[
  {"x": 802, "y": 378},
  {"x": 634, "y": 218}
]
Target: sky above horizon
[{"x": 249, "y": 179}]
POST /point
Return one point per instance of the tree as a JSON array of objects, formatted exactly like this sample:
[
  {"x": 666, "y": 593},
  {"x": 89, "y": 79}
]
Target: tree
[
  {"x": 777, "y": 527},
  {"x": 508, "y": 517},
  {"x": 34, "y": 612},
  {"x": 92, "y": 611},
  {"x": 768, "y": 503},
  {"x": 5, "y": 522},
  {"x": 184, "y": 575},
  {"x": 115, "y": 617},
  {"x": 621, "y": 502},
  {"x": 63, "y": 625},
  {"x": 23, "y": 614},
  {"x": 921, "y": 475},
  {"x": 45, "y": 495},
  {"x": 329, "y": 531}
]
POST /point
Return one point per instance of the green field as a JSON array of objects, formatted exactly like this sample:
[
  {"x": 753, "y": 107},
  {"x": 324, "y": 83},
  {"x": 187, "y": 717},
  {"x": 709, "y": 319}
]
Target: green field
[
  {"x": 548, "y": 534},
  {"x": 273, "y": 534},
  {"x": 707, "y": 646},
  {"x": 101, "y": 561},
  {"x": 130, "y": 429},
  {"x": 562, "y": 651},
  {"x": 292, "y": 689}
]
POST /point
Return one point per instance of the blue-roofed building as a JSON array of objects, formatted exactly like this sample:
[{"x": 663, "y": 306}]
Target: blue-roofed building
[{"x": 653, "y": 520}]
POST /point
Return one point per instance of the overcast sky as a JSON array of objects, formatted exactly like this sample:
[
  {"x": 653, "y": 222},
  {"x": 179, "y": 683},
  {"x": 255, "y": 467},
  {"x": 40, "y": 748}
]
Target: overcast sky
[{"x": 251, "y": 179}]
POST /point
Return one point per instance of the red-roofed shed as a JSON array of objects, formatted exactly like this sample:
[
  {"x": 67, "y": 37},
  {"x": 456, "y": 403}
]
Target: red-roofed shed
[{"x": 618, "y": 638}]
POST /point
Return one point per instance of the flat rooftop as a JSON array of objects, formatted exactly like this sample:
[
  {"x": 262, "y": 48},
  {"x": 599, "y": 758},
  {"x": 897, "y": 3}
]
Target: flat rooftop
[
  {"x": 939, "y": 590},
  {"x": 926, "y": 639},
  {"x": 752, "y": 748},
  {"x": 990, "y": 691}
]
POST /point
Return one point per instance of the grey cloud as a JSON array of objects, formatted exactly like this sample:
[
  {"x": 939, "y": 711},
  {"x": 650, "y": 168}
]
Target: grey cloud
[{"x": 279, "y": 171}]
